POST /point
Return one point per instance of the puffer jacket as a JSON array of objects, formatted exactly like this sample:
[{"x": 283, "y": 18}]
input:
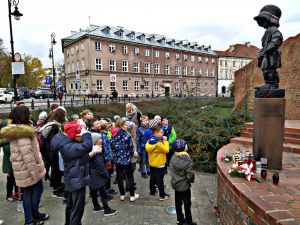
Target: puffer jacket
[
  {"x": 142, "y": 138},
  {"x": 181, "y": 171},
  {"x": 157, "y": 150},
  {"x": 27, "y": 162},
  {"x": 122, "y": 147},
  {"x": 76, "y": 159}
]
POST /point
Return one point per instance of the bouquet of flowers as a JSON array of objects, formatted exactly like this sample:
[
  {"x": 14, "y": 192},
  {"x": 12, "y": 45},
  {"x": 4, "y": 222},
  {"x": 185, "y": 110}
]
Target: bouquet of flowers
[{"x": 245, "y": 171}]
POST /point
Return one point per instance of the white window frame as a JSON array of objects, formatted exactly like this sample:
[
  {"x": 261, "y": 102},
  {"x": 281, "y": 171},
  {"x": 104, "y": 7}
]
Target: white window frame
[
  {"x": 82, "y": 46},
  {"x": 156, "y": 85},
  {"x": 136, "y": 51},
  {"x": 125, "y": 49},
  {"x": 192, "y": 58},
  {"x": 167, "y": 55},
  {"x": 112, "y": 65},
  {"x": 98, "y": 64},
  {"x": 83, "y": 64},
  {"x": 112, "y": 85},
  {"x": 184, "y": 70},
  {"x": 147, "y": 87},
  {"x": 167, "y": 69},
  {"x": 212, "y": 60},
  {"x": 199, "y": 59},
  {"x": 73, "y": 67},
  {"x": 147, "y": 52},
  {"x": 157, "y": 68},
  {"x": 192, "y": 71},
  {"x": 206, "y": 59},
  {"x": 77, "y": 48},
  {"x": 147, "y": 67},
  {"x": 212, "y": 72},
  {"x": 206, "y": 72},
  {"x": 185, "y": 57},
  {"x": 177, "y": 70},
  {"x": 176, "y": 85},
  {"x": 156, "y": 54},
  {"x": 99, "y": 84},
  {"x": 72, "y": 51},
  {"x": 68, "y": 68},
  {"x": 68, "y": 52},
  {"x": 98, "y": 45},
  {"x": 112, "y": 48},
  {"x": 136, "y": 85},
  {"x": 177, "y": 56},
  {"x": 136, "y": 67},
  {"x": 124, "y": 67},
  {"x": 125, "y": 85},
  {"x": 199, "y": 71}
]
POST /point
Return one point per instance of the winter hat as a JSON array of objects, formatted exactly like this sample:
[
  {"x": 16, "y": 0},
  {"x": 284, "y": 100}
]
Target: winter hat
[
  {"x": 130, "y": 126},
  {"x": 152, "y": 123},
  {"x": 157, "y": 117},
  {"x": 43, "y": 115},
  {"x": 72, "y": 129},
  {"x": 116, "y": 117},
  {"x": 178, "y": 145},
  {"x": 271, "y": 13}
]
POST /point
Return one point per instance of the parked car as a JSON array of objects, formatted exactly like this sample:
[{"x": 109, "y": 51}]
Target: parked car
[
  {"x": 25, "y": 92},
  {"x": 42, "y": 94},
  {"x": 5, "y": 96}
]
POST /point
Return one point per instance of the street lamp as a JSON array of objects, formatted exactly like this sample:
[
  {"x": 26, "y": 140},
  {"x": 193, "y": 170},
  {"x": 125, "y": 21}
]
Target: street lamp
[
  {"x": 51, "y": 56},
  {"x": 17, "y": 16}
]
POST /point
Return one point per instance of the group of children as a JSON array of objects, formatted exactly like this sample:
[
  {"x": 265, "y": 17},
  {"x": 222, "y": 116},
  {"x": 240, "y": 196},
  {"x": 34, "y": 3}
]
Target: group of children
[{"x": 91, "y": 150}]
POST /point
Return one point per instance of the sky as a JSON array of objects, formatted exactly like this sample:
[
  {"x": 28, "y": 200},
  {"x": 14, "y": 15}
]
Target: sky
[{"x": 218, "y": 23}]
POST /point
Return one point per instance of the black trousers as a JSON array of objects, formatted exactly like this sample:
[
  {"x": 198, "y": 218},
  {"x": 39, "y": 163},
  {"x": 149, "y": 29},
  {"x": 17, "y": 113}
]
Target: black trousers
[
  {"x": 56, "y": 174},
  {"x": 102, "y": 193},
  {"x": 75, "y": 207},
  {"x": 183, "y": 197},
  {"x": 10, "y": 185},
  {"x": 122, "y": 171},
  {"x": 157, "y": 178}
]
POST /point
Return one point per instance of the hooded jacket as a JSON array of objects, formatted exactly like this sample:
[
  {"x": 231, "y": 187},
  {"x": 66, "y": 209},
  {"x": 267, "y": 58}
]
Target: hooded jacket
[
  {"x": 27, "y": 162},
  {"x": 76, "y": 159},
  {"x": 181, "y": 171},
  {"x": 142, "y": 138},
  {"x": 157, "y": 150}
]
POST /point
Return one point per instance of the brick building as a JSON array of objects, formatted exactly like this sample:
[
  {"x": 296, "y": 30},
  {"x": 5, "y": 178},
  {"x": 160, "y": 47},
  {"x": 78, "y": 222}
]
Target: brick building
[
  {"x": 250, "y": 76},
  {"x": 104, "y": 58},
  {"x": 229, "y": 61}
]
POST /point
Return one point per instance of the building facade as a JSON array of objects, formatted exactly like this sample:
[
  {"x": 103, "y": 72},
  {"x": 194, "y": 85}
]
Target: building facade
[
  {"x": 101, "y": 59},
  {"x": 229, "y": 61}
]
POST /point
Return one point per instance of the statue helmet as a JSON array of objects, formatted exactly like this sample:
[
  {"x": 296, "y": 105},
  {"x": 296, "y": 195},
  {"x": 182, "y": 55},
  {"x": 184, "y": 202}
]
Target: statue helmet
[{"x": 270, "y": 12}]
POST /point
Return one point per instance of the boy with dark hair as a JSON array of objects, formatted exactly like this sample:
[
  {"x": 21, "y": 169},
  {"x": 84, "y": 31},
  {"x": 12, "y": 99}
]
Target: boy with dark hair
[
  {"x": 157, "y": 148},
  {"x": 182, "y": 176}
]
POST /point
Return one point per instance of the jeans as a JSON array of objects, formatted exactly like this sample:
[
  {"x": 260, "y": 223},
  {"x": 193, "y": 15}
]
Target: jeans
[
  {"x": 144, "y": 164},
  {"x": 31, "y": 200},
  {"x": 75, "y": 207},
  {"x": 122, "y": 171},
  {"x": 157, "y": 177},
  {"x": 183, "y": 197},
  {"x": 94, "y": 194}
]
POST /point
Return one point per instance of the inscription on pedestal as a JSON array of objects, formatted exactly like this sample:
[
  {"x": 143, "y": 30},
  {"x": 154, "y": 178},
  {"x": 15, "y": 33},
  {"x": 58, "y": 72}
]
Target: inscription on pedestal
[{"x": 272, "y": 109}]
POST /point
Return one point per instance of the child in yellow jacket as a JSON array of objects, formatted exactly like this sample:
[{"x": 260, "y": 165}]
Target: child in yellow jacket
[{"x": 157, "y": 148}]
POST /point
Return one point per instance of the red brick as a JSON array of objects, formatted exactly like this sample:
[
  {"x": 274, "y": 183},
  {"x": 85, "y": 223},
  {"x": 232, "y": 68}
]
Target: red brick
[
  {"x": 278, "y": 198},
  {"x": 295, "y": 212},
  {"x": 274, "y": 216},
  {"x": 295, "y": 205},
  {"x": 280, "y": 205},
  {"x": 254, "y": 216},
  {"x": 289, "y": 222}
]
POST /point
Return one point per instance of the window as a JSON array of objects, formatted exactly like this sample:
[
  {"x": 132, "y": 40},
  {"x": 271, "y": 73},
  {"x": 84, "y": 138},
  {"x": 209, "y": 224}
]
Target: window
[
  {"x": 71, "y": 86},
  {"x": 99, "y": 85},
  {"x": 167, "y": 55},
  {"x": 192, "y": 71},
  {"x": 112, "y": 65},
  {"x": 98, "y": 64},
  {"x": 72, "y": 51},
  {"x": 98, "y": 46},
  {"x": 77, "y": 48},
  {"x": 147, "y": 67},
  {"x": 206, "y": 60},
  {"x": 142, "y": 38},
  {"x": 112, "y": 86},
  {"x": 157, "y": 69},
  {"x": 226, "y": 63},
  {"x": 176, "y": 85},
  {"x": 82, "y": 64},
  {"x": 124, "y": 66},
  {"x": 82, "y": 46},
  {"x": 199, "y": 59},
  {"x": 213, "y": 61},
  {"x": 184, "y": 70},
  {"x": 212, "y": 73},
  {"x": 185, "y": 57},
  {"x": 136, "y": 51},
  {"x": 223, "y": 89},
  {"x": 132, "y": 36},
  {"x": 136, "y": 67},
  {"x": 124, "y": 49},
  {"x": 68, "y": 52},
  {"x": 156, "y": 85},
  {"x": 112, "y": 48},
  {"x": 167, "y": 69},
  {"x": 234, "y": 63},
  {"x": 206, "y": 72},
  {"x": 68, "y": 68},
  {"x": 77, "y": 65},
  {"x": 73, "y": 67},
  {"x": 193, "y": 58},
  {"x": 212, "y": 86},
  {"x": 199, "y": 71},
  {"x": 146, "y": 85},
  {"x": 156, "y": 54},
  {"x": 177, "y": 56},
  {"x": 177, "y": 70},
  {"x": 136, "y": 85},
  {"x": 147, "y": 52},
  {"x": 125, "y": 85},
  {"x": 221, "y": 62}
]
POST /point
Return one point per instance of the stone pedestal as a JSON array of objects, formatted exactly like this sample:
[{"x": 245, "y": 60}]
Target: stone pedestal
[{"x": 269, "y": 117}]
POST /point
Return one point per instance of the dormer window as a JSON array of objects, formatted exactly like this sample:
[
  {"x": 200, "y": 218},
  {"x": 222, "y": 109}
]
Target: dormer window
[
  {"x": 106, "y": 30},
  {"x": 172, "y": 43},
  {"x": 142, "y": 38},
  {"x": 132, "y": 36}
]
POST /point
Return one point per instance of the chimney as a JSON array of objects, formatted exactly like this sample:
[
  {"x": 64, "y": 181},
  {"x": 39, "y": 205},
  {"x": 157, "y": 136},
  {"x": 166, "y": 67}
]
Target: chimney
[
  {"x": 73, "y": 32},
  {"x": 231, "y": 48}
]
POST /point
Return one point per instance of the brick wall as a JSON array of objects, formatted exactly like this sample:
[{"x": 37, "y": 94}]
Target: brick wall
[{"x": 250, "y": 76}]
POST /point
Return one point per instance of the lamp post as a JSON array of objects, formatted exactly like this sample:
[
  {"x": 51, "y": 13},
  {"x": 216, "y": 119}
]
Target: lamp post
[
  {"x": 17, "y": 16},
  {"x": 51, "y": 56}
]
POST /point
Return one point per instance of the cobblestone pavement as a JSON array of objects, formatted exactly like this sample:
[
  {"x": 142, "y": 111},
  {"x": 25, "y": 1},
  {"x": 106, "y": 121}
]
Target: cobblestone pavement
[{"x": 146, "y": 210}]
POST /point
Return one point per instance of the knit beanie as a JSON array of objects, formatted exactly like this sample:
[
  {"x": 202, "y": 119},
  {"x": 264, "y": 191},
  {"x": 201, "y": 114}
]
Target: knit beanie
[
  {"x": 178, "y": 145},
  {"x": 72, "y": 129},
  {"x": 152, "y": 123},
  {"x": 42, "y": 115},
  {"x": 130, "y": 126},
  {"x": 157, "y": 117}
]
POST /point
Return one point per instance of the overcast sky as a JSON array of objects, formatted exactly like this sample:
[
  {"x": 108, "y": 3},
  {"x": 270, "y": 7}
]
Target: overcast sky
[{"x": 218, "y": 23}]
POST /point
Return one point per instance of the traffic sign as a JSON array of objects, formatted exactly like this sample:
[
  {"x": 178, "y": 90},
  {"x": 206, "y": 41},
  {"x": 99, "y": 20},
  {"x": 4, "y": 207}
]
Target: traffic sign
[{"x": 48, "y": 80}]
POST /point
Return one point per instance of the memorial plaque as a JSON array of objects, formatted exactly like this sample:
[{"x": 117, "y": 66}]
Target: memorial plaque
[
  {"x": 272, "y": 109},
  {"x": 264, "y": 162}
]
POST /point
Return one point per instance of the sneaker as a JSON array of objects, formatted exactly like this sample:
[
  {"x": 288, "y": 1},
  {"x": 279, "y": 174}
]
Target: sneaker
[
  {"x": 1, "y": 222},
  {"x": 110, "y": 212},
  {"x": 37, "y": 222},
  {"x": 58, "y": 194},
  {"x": 43, "y": 217},
  {"x": 111, "y": 191},
  {"x": 164, "y": 198},
  {"x": 20, "y": 207},
  {"x": 122, "y": 197},
  {"x": 10, "y": 198},
  {"x": 98, "y": 208},
  {"x": 135, "y": 197}
]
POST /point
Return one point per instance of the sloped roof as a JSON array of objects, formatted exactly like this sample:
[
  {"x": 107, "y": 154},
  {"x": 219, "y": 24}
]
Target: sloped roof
[
  {"x": 240, "y": 51},
  {"x": 99, "y": 31}
]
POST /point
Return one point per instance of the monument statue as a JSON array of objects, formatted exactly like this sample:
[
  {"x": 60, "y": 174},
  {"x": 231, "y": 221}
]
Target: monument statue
[{"x": 269, "y": 58}]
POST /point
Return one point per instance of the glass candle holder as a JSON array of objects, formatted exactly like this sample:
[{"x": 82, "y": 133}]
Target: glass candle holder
[
  {"x": 263, "y": 174},
  {"x": 275, "y": 179}
]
